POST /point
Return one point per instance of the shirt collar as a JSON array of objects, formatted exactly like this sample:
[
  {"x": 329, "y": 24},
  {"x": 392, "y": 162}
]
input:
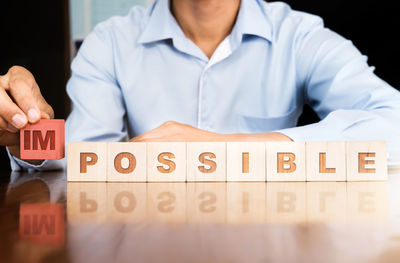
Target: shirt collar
[
  {"x": 161, "y": 24},
  {"x": 252, "y": 20}
]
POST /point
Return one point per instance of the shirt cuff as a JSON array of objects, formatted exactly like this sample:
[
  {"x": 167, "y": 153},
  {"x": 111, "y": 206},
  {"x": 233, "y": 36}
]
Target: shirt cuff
[
  {"x": 20, "y": 165},
  {"x": 313, "y": 132}
]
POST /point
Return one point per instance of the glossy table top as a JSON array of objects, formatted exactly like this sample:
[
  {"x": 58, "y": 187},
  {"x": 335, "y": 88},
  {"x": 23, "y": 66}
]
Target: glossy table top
[{"x": 45, "y": 219}]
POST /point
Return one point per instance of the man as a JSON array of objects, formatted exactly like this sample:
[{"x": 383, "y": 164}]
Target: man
[{"x": 221, "y": 70}]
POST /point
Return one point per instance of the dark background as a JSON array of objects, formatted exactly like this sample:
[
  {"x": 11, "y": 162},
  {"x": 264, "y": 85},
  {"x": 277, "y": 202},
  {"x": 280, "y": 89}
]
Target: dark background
[{"x": 35, "y": 34}]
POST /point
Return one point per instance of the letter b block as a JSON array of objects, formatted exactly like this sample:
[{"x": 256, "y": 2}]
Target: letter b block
[{"x": 43, "y": 140}]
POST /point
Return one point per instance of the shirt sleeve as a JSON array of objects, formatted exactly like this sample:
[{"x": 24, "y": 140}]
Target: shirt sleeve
[
  {"x": 98, "y": 109},
  {"x": 352, "y": 102}
]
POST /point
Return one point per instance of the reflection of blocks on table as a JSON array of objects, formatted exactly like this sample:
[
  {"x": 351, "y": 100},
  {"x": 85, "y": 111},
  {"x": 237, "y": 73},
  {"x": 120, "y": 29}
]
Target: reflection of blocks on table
[
  {"x": 206, "y": 202},
  {"x": 166, "y": 202},
  {"x": 286, "y": 202},
  {"x": 367, "y": 201},
  {"x": 246, "y": 202},
  {"x": 126, "y": 202},
  {"x": 86, "y": 202},
  {"x": 326, "y": 201},
  {"x": 42, "y": 224},
  {"x": 44, "y": 140}
]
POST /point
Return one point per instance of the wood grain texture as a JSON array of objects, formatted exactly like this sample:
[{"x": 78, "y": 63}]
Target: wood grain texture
[
  {"x": 127, "y": 162},
  {"x": 206, "y": 161},
  {"x": 245, "y": 161},
  {"x": 326, "y": 161},
  {"x": 286, "y": 161},
  {"x": 87, "y": 161},
  {"x": 166, "y": 162},
  {"x": 366, "y": 161}
]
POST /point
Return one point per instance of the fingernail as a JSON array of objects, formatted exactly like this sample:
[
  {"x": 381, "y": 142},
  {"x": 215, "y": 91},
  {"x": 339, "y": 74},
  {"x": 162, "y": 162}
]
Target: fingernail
[
  {"x": 11, "y": 128},
  {"x": 18, "y": 120},
  {"x": 33, "y": 115}
]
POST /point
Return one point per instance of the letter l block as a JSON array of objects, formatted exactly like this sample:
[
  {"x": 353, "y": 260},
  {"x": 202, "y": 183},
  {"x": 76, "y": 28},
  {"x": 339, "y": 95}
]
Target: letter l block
[{"x": 44, "y": 140}]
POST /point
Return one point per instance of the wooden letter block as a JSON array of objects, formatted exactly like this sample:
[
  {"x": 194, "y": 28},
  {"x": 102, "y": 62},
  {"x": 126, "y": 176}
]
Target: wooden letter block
[
  {"x": 246, "y": 161},
  {"x": 366, "y": 161},
  {"x": 126, "y": 162},
  {"x": 326, "y": 202},
  {"x": 286, "y": 161},
  {"x": 246, "y": 202},
  {"x": 87, "y": 161},
  {"x": 86, "y": 202},
  {"x": 126, "y": 203},
  {"x": 326, "y": 161},
  {"x": 43, "y": 140},
  {"x": 42, "y": 224},
  {"x": 286, "y": 202},
  {"x": 166, "y": 162},
  {"x": 206, "y": 161}
]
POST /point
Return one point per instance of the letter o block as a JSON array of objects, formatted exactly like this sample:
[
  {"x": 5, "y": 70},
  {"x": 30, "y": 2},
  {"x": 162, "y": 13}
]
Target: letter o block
[{"x": 44, "y": 140}]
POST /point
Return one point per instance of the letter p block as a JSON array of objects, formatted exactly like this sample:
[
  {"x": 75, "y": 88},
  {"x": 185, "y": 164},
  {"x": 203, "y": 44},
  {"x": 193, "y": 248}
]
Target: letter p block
[{"x": 44, "y": 140}]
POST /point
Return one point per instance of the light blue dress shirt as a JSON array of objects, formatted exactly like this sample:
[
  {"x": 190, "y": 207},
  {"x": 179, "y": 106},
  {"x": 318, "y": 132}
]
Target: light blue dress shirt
[{"x": 133, "y": 73}]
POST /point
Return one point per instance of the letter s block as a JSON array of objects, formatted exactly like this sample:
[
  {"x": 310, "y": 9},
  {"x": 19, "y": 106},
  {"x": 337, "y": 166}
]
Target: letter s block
[{"x": 44, "y": 140}]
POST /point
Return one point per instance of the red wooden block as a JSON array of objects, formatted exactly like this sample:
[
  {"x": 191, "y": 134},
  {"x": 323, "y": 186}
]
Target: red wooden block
[
  {"x": 43, "y": 140},
  {"x": 42, "y": 224}
]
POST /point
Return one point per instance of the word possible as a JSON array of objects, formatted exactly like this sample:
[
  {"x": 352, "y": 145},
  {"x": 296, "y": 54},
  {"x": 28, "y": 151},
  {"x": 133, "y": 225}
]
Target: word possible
[{"x": 231, "y": 161}]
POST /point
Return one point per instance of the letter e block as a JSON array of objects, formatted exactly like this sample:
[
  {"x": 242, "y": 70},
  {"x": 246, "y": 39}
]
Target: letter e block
[
  {"x": 87, "y": 161},
  {"x": 44, "y": 140},
  {"x": 366, "y": 161}
]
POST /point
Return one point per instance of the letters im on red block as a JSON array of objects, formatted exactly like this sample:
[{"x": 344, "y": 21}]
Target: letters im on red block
[{"x": 44, "y": 140}]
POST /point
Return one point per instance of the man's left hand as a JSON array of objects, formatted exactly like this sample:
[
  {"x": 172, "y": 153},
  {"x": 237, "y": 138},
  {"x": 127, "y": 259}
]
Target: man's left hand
[{"x": 172, "y": 131}]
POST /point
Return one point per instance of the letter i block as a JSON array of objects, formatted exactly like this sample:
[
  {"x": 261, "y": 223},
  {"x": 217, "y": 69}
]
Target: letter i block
[{"x": 44, "y": 140}]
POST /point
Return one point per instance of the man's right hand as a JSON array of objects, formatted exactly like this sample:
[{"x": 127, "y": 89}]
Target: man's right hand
[{"x": 20, "y": 103}]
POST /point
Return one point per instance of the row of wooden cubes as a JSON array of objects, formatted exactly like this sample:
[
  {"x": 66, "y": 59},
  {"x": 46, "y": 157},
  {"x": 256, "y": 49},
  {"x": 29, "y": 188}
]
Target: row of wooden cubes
[
  {"x": 231, "y": 161},
  {"x": 231, "y": 202}
]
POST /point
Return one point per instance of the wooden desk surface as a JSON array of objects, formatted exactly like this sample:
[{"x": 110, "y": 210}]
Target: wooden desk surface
[{"x": 45, "y": 219}]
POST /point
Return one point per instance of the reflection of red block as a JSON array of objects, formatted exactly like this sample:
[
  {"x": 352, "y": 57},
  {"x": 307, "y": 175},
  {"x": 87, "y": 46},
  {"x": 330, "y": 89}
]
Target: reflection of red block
[
  {"x": 43, "y": 140},
  {"x": 42, "y": 224}
]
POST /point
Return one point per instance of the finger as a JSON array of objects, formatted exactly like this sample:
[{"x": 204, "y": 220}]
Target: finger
[
  {"x": 9, "y": 139},
  {"x": 10, "y": 111},
  {"x": 22, "y": 91},
  {"x": 4, "y": 125}
]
